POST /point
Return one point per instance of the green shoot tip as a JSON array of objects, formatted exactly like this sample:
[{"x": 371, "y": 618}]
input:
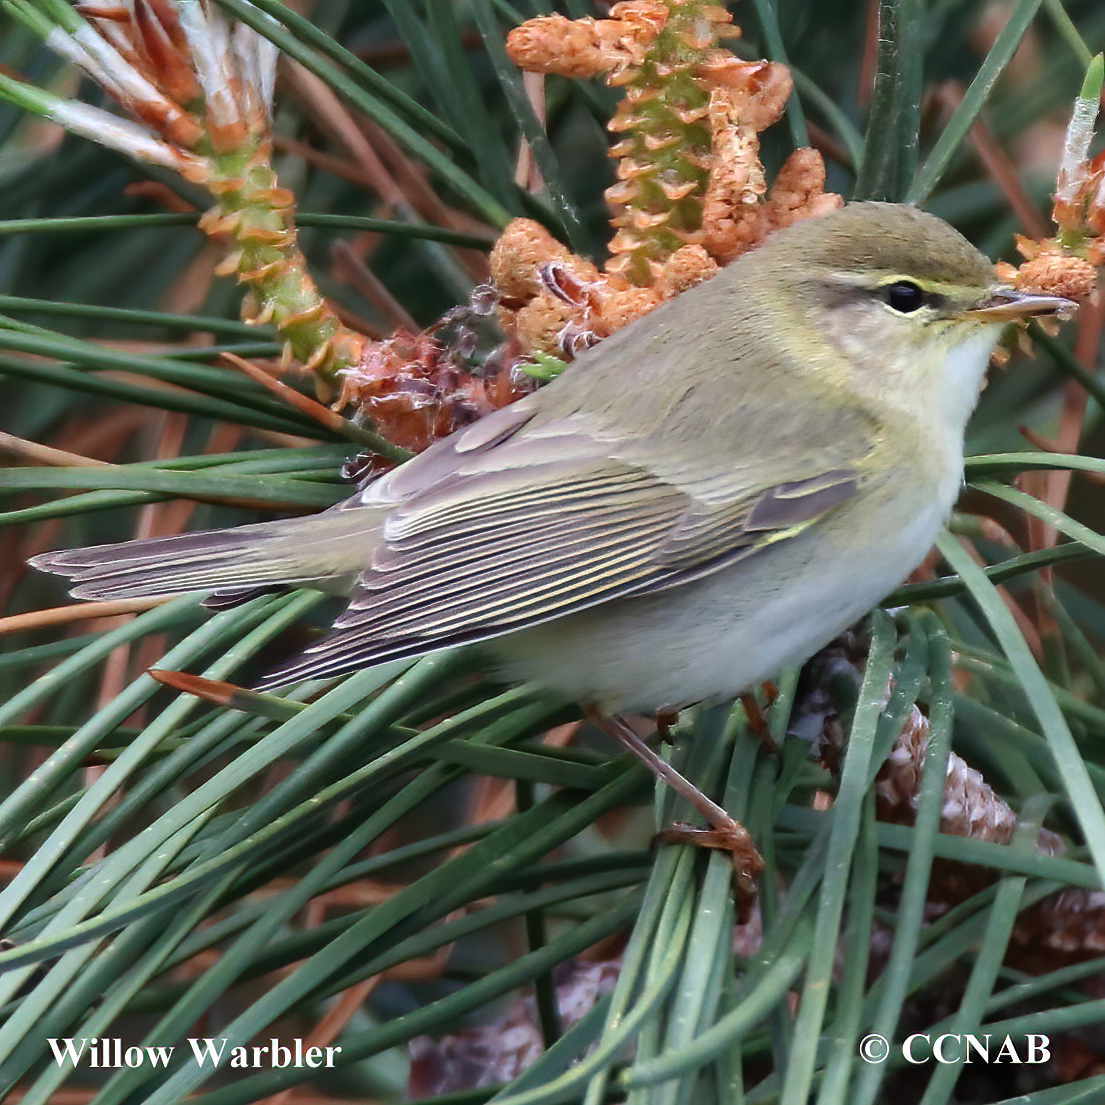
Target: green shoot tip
[{"x": 1095, "y": 78}]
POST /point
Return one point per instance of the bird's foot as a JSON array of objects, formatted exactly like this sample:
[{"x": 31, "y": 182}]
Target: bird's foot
[
  {"x": 724, "y": 833},
  {"x": 734, "y": 839},
  {"x": 757, "y": 717}
]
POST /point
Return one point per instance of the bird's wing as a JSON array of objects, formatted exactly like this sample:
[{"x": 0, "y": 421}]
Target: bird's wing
[{"x": 532, "y": 523}]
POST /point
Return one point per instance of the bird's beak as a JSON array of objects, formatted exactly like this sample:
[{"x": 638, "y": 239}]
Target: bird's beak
[{"x": 1005, "y": 304}]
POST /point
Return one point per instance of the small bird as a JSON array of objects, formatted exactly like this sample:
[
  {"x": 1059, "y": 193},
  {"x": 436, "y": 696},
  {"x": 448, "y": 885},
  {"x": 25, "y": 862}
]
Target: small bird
[{"x": 706, "y": 497}]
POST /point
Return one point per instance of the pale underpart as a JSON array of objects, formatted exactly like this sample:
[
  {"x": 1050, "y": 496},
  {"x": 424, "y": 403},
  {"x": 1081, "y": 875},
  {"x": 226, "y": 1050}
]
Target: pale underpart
[{"x": 739, "y": 626}]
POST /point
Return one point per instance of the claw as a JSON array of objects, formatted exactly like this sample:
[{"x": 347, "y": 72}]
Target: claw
[
  {"x": 724, "y": 833},
  {"x": 757, "y": 720},
  {"x": 734, "y": 839}
]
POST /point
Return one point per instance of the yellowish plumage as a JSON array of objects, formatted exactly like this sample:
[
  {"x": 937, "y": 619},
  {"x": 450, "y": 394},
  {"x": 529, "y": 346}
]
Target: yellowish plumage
[{"x": 710, "y": 494}]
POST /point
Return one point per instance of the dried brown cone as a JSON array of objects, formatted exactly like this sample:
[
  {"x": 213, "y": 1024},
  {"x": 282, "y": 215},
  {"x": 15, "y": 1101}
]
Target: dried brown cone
[
  {"x": 1066, "y": 927},
  {"x": 970, "y": 808},
  {"x": 417, "y": 388}
]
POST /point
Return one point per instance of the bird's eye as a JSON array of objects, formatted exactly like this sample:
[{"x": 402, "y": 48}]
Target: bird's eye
[{"x": 903, "y": 296}]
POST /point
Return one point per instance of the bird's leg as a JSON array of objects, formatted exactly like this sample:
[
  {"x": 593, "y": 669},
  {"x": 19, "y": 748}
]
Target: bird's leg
[
  {"x": 724, "y": 834},
  {"x": 617, "y": 728},
  {"x": 665, "y": 719}
]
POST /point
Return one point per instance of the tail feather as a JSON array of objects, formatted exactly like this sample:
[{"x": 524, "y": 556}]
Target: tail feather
[{"x": 324, "y": 546}]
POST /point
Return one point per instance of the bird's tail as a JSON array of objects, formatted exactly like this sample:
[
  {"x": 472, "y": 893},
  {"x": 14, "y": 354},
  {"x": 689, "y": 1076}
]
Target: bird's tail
[{"x": 326, "y": 546}]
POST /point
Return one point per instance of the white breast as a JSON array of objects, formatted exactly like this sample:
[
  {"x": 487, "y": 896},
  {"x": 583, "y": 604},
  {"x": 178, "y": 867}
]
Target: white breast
[{"x": 725, "y": 633}]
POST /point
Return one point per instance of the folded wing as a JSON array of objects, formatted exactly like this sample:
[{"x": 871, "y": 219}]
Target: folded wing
[{"x": 488, "y": 550}]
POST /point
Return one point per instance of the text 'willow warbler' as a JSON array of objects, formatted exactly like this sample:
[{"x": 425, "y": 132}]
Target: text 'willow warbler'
[{"x": 708, "y": 496}]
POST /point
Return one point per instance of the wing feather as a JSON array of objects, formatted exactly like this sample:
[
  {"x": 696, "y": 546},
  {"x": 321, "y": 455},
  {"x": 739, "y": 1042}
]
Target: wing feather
[
  {"x": 480, "y": 554},
  {"x": 619, "y": 554},
  {"x": 514, "y": 553}
]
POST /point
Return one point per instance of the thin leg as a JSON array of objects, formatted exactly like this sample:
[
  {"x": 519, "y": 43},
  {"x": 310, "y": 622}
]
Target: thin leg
[
  {"x": 724, "y": 834},
  {"x": 617, "y": 728},
  {"x": 665, "y": 719}
]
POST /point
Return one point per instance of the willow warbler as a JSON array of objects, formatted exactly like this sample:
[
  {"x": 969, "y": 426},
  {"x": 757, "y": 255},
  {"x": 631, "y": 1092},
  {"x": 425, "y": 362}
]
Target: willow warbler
[{"x": 706, "y": 497}]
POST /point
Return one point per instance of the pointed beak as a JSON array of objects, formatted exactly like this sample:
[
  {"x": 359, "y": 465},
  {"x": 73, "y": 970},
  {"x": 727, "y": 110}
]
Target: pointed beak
[{"x": 1005, "y": 304}]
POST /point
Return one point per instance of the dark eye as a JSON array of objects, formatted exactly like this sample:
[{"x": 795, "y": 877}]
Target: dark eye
[{"x": 903, "y": 296}]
